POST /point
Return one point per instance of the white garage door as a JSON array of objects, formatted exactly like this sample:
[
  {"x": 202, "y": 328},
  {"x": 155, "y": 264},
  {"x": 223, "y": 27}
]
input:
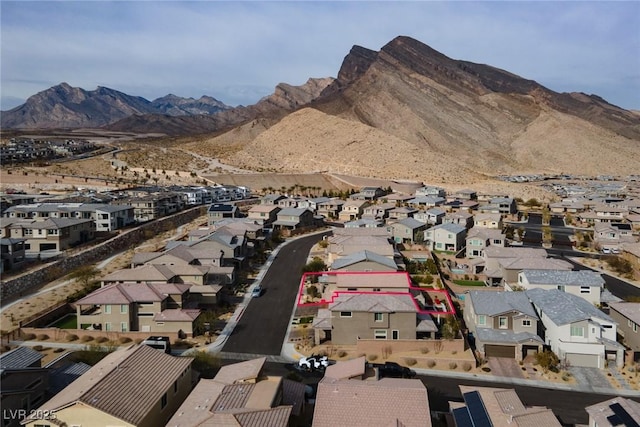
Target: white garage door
[{"x": 584, "y": 360}]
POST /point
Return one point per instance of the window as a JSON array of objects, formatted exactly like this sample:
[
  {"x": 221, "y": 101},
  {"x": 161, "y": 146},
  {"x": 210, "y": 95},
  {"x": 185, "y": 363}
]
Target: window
[
  {"x": 124, "y": 326},
  {"x": 175, "y": 386},
  {"x": 526, "y": 322},
  {"x": 376, "y": 289},
  {"x": 585, "y": 289},
  {"x": 124, "y": 308},
  {"x": 561, "y": 288},
  {"x": 380, "y": 334},
  {"x": 345, "y": 314},
  {"x": 163, "y": 403},
  {"x": 635, "y": 327},
  {"x": 497, "y": 241},
  {"x": 395, "y": 334},
  {"x": 107, "y": 326},
  {"x": 107, "y": 309},
  {"x": 378, "y": 317},
  {"x": 503, "y": 322},
  {"x": 482, "y": 320},
  {"x": 577, "y": 331}
]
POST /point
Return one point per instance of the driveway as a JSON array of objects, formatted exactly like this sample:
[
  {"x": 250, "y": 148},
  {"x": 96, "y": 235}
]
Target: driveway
[
  {"x": 590, "y": 377},
  {"x": 505, "y": 367}
]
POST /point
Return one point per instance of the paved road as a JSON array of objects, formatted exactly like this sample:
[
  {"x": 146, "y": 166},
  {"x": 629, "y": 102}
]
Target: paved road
[{"x": 263, "y": 325}]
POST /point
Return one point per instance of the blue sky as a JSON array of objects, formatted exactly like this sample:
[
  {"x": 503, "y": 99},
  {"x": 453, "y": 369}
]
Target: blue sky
[{"x": 238, "y": 51}]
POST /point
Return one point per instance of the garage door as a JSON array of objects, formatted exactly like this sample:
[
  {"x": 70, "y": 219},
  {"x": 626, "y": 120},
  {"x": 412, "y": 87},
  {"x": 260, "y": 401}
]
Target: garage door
[
  {"x": 500, "y": 351},
  {"x": 48, "y": 246},
  {"x": 584, "y": 360}
]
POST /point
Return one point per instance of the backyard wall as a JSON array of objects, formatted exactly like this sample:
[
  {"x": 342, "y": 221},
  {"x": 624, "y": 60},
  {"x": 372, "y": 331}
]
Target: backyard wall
[
  {"x": 60, "y": 335},
  {"x": 401, "y": 346}
]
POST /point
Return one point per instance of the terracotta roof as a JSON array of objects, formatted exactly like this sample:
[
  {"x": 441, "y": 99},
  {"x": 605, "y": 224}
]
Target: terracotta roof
[
  {"x": 374, "y": 303},
  {"x": 346, "y": 369},
  {"x": 147, "y": 272},
  {"x": 243, "y": 371},
  {"x": 177, "y": 315},
  {"x": 110, "y": 385},
  {"x": 377, "y": 280},
  {"x": 387, "y": 402}
]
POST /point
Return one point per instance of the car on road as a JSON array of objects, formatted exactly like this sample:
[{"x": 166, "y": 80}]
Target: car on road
[
  {"x": 315, "y": 362},
  {"x": 392, "y": 370},
  {"x": 256, "y": 292}
]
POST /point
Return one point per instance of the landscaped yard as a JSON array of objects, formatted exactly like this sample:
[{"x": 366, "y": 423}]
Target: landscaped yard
[
  {"x": 70, "y": 321},
  {"x": 469, "y": 282}
]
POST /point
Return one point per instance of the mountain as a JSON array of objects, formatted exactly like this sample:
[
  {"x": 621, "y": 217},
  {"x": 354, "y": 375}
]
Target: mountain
[
  {"x": 443, "y": 120},
  {"x": 285, "y": 99},
  {"x": 63, "y": 106}
]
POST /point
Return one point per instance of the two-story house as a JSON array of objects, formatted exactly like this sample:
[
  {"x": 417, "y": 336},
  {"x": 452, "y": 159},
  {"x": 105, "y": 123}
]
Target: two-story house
[
  {"x": 263, "y": 214},
  {"x": 368, "y": 193},
  {"x": 364, "y": 261},
  {"x": 433, "y": 216},
  {"x": 488, "y": 220},
  {"x": 612, "y": 234},
  {"x": 407, "y": 230},
  {"x": 109, "y": 394},
  {"x": 445, "y": 237},
  {"x": 462, "y": 218},
  {"x": 479, "y": 238},
  {"x": 12, "y": 252},
  {"x": 627, "y": 315},
  {"x": 378, "y": 211},
  {"x": 53, "y": 235},
  {"x": 430, "y": 190},
  {"x": 294, "y": 218},
  {"x": 503, "y": 324},
  {"x": 218, "y": 211},
  {"x": 577, "y": 332},
  {"x": 372, "y": 317},
  {"x": 583, "y": 283},
  {"x": 402, "y": 212},
  {"x": 352, "y": 210},
  {"x": 331, "y": 208},
  {"x": 426, "y": 202}
]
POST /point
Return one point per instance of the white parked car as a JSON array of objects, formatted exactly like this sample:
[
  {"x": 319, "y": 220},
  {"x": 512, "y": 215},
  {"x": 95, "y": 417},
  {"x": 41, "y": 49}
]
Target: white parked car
[
  {"x": 606, "y": 251},
  {"x": 313, "y": 362}
]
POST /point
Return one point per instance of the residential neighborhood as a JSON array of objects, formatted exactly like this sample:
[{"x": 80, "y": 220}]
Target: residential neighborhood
[{"x": 404, "y": 283}]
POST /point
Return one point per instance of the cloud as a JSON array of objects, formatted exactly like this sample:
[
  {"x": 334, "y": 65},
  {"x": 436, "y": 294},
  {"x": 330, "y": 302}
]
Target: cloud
[{"x": 238, "y": 51}]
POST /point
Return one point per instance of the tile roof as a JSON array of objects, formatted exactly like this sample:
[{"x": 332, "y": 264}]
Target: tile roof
[
  {"x": 600, "y": 412},
  {"x": 122, "y": 293},
  {"x": 564, "y": 277},
  {"x": 563, "y": 308},
  {"x": 495, "y": 303},
  {"x": 449, "y": 227},
  {"x": 509, "y": 252},
  {"x": 535, "y": 263},
  {"x": 110, "y": 384},
  {"x": 147, "y": 272},
  {"x": 177, "y": 315},
  {"x": 411, "y": 223},
  {"x": 346, "y": 369},
  {"x": 386, "y": 402},
  {"x": 630, "y": 310},
  {"x": 243, "y": 371},
  {"x": 399, "y": 281},
  {"x": 374, "y": 303},
  {"x": 488, "y": 335},
  {"x": 20, "y": 357},
  {"x": 360, "y": 256}
]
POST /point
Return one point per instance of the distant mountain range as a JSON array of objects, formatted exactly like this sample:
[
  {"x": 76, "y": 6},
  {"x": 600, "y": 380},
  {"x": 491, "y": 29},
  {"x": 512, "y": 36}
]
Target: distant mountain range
[
  {"x": 406, "y": 111},
  {"x": 63, "y": 106}
]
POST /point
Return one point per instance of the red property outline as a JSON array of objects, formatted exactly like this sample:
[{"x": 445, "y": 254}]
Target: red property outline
[{"x": 335, "y": 295}]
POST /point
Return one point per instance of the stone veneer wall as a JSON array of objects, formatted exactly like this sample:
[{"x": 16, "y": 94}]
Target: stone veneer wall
[{"x": 34, "y": 279}]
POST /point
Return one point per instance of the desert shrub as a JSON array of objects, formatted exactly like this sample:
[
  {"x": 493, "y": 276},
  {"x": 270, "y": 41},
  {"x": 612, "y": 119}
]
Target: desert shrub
[
  {"x": 372, "y": 357},
  {"x": 410, "y": 361},
  {"x": 38, "y": 347},
  {"x": 566, "y": 376},
  {"x": 86, "y": 338},
  {"x": 453, "y": 365},
  {"x": 43, "y": 337},
  {"x": 71, "y": 337},
  {"x": 101, "y": 340},
  {"x": 431, "y": 363},
  {"x": 29, "y": 337},
  {"x": 342, "y": 353},
  {"x": 124, "y": 340},
  {"x": 486, "y": 369},
  {"x": 466, "y": 366},
  {"x": 58, "y": 350},
  {"x": 424, "y": 350}
]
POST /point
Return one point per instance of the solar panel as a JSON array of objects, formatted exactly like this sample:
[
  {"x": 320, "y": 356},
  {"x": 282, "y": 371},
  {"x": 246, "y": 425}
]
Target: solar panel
[
  {"x": 462, "y": 418},
  {"x": 477, "y": 411},
  {"x": 621, "y": 417}
]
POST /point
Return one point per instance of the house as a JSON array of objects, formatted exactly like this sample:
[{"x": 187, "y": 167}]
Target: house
[
  {"x": 331, "y": 208},
  {"x": 312, "y": 203},
  {"x": 368, "y": 193},
  {"x": 218, "y": 211},
  {"x": 402, "y": 212},
  {"x": 123, "y": 389},
  {"x": 352, "y": 210},
  {"x": 465, "y": 194},
  {"x": 408, "y": 230},
  {"x": 378, "y": 211},
  {"x": 462, "y": 218},
  {"x": 503, "y": 324},
  {"x": 479, "y": 238},
  {"x": 577, "y": 332},
  {"x": 495, "y": 258},
  {"x": 290, "y": 202},
  {"x": 130, "y": 306},
  {"x": 487, "y": 406},
  {"x": 627, "y": 315},
  {"x": 294, "y": 218},
  {"x": 426, "y": 202},
  {"x": 364, "y": 223},
  {"x": 364, "y": 261},
  {"x": 618, "y": 411},
  {"x": 631, "y": 252},
  {"x": 372, "y": 317},
  {"x": 345, "y": 398},
  {"x": 429, "y": 190},
  {"x": 501, "y": 205},
  {"x": 263, "y": 214},
  {"x": 241, "y": 394},
  {"x": 24, "y": 383},
  {"x": 612, "y": 234},
  {"x": 53, "y": 235},
  {"x": 445, "y": 237},
  {"x": 390, "y": 282},
  {"x": 488, "y": 220},
  {"x": 13, "y": 253},
  {"x": 433, "y": 216},
  {"x": 341, "y": 245},
  {"x": 272, "y": 199},
  {"x": 583, "y": 283},
  {"x": 567, "y": 206},
  {"x": 149, "y": 204}
]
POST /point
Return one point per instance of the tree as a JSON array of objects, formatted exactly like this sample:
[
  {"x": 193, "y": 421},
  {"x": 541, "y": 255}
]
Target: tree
[
  {"x": 207, "y": 364},
  {"x": 85, "y": 274},
  {"x": 451, "y": 327},
  {"x": 315, "y": 265},
  {"x": 548, "y": 361}
]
